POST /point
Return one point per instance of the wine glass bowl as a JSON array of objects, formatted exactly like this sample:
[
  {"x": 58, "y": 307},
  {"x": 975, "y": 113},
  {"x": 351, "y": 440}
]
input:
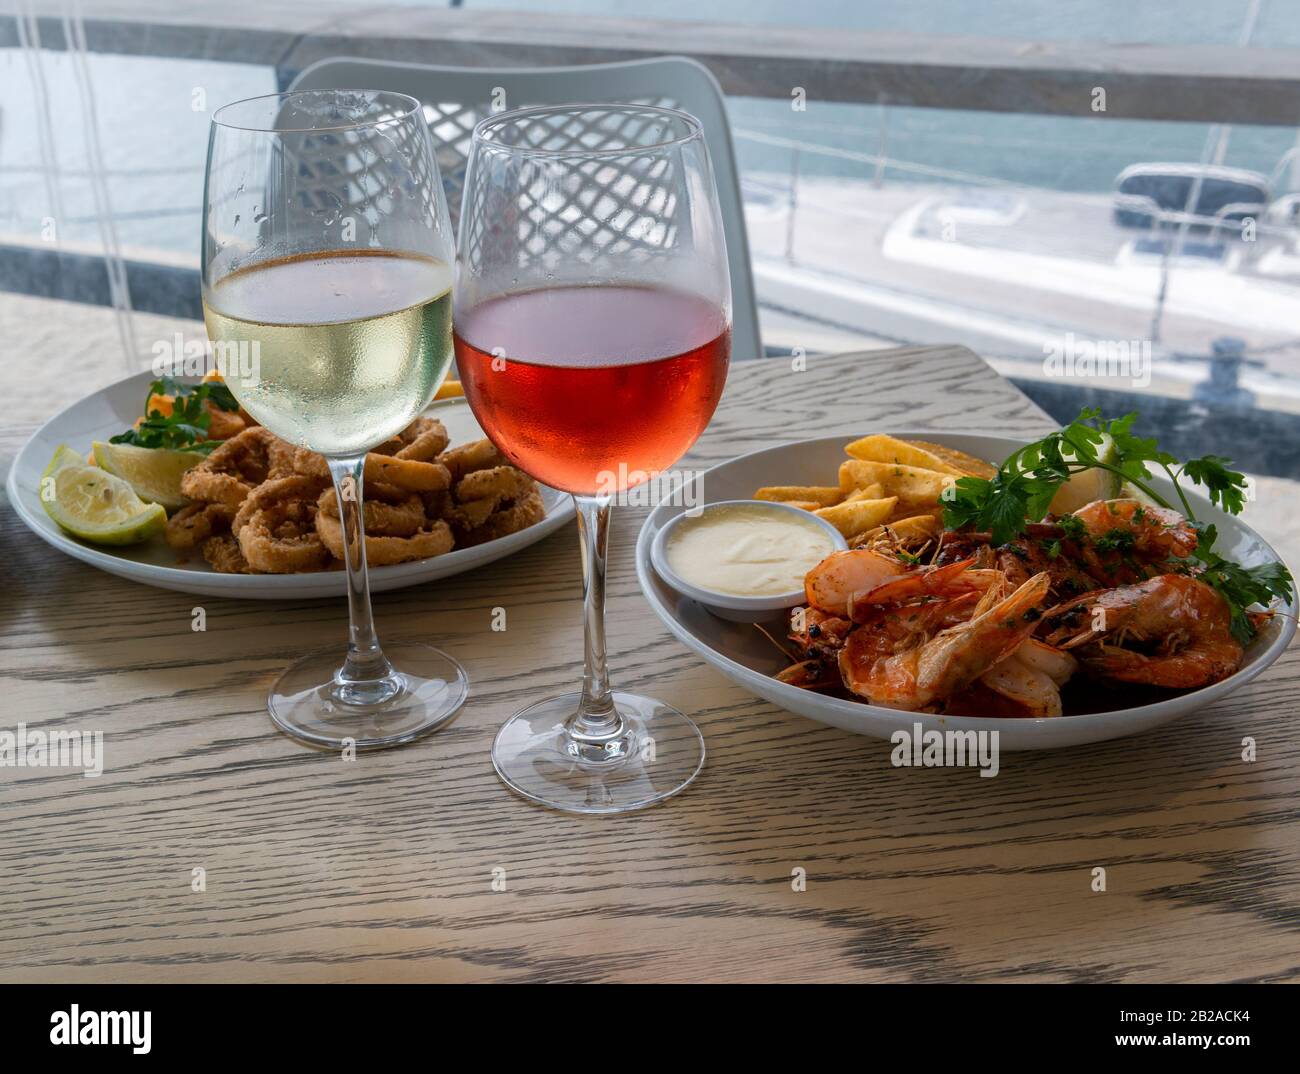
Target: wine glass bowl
[
  {"x": 592, "y": 314},
  {"x": 327, "y": 253}
]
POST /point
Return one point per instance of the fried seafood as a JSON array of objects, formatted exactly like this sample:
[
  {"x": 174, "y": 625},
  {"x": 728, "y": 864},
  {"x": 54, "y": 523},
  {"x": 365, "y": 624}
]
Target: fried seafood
[
  {"x": 504, "y": 521},
  {"x": 288, "y": 489},
  {"x": 389, "y": 512},
  {"x": 195, "y": 523},
  {"x": 423, "y": 440},
  {"x": 433, "y": 540},
  {"x": 276, "y": 529},
  {"x": 466, "y": 458},
  {"x": 497, "y": 484},
  {"x": 414, "y": 475},
  {"x": 224, "y": 555},
  {"x": 233, "y": 470},
  {"x": 264, "y": 506},
  {"x": 482, "y": 493},
  {"x": 1172, "y": 630}
]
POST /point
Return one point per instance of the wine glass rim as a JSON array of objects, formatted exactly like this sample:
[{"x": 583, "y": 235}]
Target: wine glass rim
[
  {"x": 694, "y": 129},
  {"x": 411, "y": 106}
]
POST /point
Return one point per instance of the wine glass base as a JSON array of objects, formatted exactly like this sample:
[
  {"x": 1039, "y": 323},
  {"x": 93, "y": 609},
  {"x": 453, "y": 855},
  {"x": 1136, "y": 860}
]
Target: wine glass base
[
  {"x": 425, "y": 690},
  {"x": 658, "y": 756}
]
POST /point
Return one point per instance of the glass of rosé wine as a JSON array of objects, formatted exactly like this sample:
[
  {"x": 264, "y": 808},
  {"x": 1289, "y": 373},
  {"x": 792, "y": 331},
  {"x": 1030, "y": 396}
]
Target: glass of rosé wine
[{"x": 592, "y": 327}]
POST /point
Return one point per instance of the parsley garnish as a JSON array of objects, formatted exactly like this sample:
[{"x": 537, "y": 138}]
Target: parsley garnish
[
  {"x": 1025, "y": 484},
  {"x": 1116, "y": 540},
  {"x": 186, "y": 427}
]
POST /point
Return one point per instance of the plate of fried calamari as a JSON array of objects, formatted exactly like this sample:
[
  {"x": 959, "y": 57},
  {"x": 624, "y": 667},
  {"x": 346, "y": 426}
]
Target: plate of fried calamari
[
  {"x": 203, "y": 500},
  {"x": 1078, "y": 588}
]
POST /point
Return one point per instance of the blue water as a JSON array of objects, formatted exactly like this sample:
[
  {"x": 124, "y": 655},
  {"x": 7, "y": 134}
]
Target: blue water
[
  {"x": 153, "y": 114},
  {"x": 1188, "y": 22}
]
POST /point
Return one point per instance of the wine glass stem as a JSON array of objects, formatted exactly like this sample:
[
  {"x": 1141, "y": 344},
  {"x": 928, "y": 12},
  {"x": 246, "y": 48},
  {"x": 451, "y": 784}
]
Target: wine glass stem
[
  {"x": 366, "y": 665},
  {"x": 597, "y": 720}
]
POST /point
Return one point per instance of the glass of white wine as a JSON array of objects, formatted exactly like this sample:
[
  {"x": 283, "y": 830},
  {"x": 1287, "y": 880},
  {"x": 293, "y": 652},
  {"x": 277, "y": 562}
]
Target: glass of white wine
[{"x": 327, "y": 249}]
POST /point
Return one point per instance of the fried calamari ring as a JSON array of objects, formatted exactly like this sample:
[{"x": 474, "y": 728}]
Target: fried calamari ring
[
  {"x": 518, "y": 516},
  {"x": 423, "y": 440},
  {"x": 482, "y": 492},
  {"x": 411, "y": 475},
  {"x": 437, "y": 504},
  {"x": 238, "y": 466},
  {"x": 192, "y": 525},
  {"x": 281, "y": 489},
  {"x": 466, "y": 458},
  {"x": 498, "y": 483},
  {"x": 225, "y": 555},
  {"x": 400, "y": 519},
  {"x": 281, "y": 538},
  {"x": 468, "y": 516},
  {"x": 431, "y": 541}
]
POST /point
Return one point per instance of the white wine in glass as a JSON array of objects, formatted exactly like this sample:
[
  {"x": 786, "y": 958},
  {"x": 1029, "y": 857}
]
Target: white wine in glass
[
  {"x": 326, "y": 258},
  {"x": 351, "y": 345}
]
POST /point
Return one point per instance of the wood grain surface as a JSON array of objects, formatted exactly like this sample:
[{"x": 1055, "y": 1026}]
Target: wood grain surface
[{"x": 382, "y": 868}]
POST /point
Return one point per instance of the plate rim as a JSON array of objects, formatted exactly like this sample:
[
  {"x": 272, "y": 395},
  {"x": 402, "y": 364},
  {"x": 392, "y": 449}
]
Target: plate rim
[
  {"x": 874, "y": 713},
  {"x": 288, "y": 586}
]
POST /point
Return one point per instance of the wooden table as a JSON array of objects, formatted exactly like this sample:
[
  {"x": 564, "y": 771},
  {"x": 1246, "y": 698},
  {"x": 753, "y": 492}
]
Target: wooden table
[{"x": 382, "y": 869}]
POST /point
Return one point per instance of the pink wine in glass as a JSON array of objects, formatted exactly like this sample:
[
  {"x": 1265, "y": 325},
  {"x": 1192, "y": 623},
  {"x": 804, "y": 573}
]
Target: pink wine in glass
[{"x": 578, "y": 385}]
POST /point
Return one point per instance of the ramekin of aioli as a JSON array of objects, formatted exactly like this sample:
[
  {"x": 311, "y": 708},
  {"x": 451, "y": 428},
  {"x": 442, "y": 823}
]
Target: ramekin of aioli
[{"x": 743, "y": 559}]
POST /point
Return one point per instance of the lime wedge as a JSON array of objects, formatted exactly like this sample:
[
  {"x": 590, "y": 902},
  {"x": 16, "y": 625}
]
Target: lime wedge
[
  {"x": 154, "y": 473},
  {"x": 1088, "y": 485},
  {"x": 98, "y": 507}
]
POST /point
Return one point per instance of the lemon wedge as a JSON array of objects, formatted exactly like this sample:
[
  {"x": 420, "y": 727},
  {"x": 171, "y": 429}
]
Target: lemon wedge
[
  {"x": 96, "y": 506},
  {"x": 63, "y": 456},
  {"x": 154, "y": 473},
  {"x": 1088, "y": 485}
]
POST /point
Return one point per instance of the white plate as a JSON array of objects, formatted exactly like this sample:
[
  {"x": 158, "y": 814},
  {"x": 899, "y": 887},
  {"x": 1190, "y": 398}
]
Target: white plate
[
  {"x": 742, "y": 654},
  {"x": 109, "y": 411}
]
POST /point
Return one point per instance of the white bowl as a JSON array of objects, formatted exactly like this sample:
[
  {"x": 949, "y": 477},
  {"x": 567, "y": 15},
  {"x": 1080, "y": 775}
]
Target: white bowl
[
  {"x": 729, "y": 606},
  {"x": 112, "y": 409},
  {"x": 748, "y": 659}
]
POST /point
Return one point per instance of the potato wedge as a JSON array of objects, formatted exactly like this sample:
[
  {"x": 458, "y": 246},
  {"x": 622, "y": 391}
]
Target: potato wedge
[
  {"x": 881, "y": 448},
  {"x": 860, "y": 515},
  {"x": 913, "y": 531},
  {"x": 823, "y": 496},
  {"x": 871, "y": 492},
  {"x": 903, "y": 511},
  {"x": 913, "y": 485},
  {"x": 914, "y": 526},
  {"x": 803, "y": 505},
  {"x": 967, "y": 465}
]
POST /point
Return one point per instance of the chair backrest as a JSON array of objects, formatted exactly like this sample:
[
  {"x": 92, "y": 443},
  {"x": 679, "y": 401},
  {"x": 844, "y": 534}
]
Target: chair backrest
[{"x": 458, "y": 97}]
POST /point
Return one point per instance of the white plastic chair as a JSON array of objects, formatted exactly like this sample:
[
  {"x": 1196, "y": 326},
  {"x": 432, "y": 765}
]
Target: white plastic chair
[{"x": 458, "y": 97}]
